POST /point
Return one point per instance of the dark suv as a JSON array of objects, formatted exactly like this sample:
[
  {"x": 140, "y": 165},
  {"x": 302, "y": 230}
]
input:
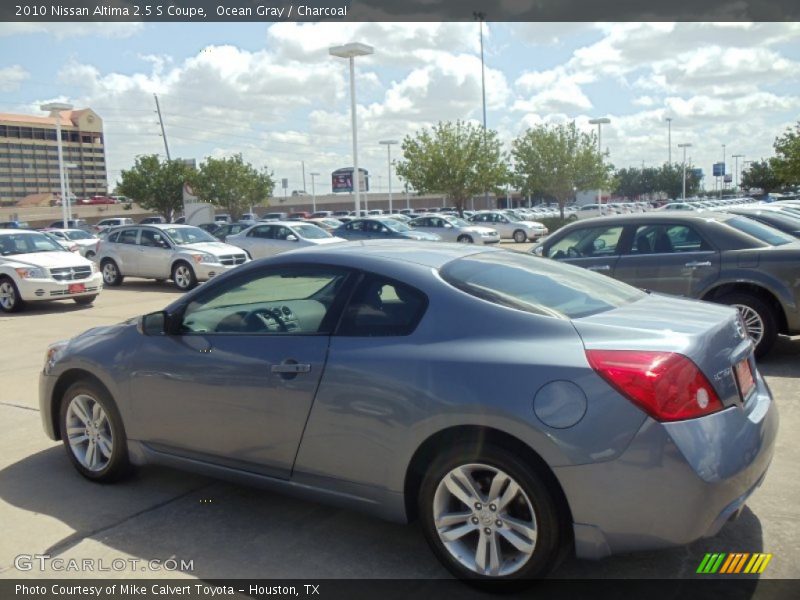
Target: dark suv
[{"x": 723, "y": 258}]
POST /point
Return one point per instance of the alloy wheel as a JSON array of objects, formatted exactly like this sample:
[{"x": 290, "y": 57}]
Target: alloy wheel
[
  {"x": 753, "y": 322},
  {"x": 183, "y": 277},
  {"x": 89, "y": 432},
  {"x": 8, "y": 295},
  {"x": 109, "y": 272},
  {"x": 485, "y": 519}
]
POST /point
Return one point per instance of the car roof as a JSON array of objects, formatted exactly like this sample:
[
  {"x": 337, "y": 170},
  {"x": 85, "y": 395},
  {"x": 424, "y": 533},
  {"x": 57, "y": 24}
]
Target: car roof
[
  {"x": 660, "y": 216},
  {"x": 428, "y": 254}
]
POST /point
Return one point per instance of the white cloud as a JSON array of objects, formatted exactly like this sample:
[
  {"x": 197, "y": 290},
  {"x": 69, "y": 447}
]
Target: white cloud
[
  {"x": 62, "y": 31},
  {"x": 11, "y": 78}
]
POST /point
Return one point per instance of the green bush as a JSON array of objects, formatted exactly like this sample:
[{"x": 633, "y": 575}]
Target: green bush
[{"x": 555, "y": 223}]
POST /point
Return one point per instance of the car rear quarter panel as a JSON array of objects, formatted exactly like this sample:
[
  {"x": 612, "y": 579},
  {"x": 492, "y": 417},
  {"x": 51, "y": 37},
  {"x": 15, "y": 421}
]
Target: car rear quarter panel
[{"x": 469, "y": 363}]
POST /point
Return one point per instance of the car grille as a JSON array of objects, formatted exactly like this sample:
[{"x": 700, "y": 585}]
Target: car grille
[
  {"x": 71, "y": 273},
  {"x": 233, "y": 259}
]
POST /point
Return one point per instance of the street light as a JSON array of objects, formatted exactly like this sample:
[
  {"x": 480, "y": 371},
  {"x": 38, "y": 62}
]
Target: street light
[
  {"x": 600, "y": 122},
  {"x": 736, "y": 169},
  {"x": 684, "y": 146},
  {"x": 389, "y": 144},
  {"x": 350, "y": 51},
  {"x": 55, "y": 108},
  {"x": 67, "y": 167},
  {"x": 669, "y": 139},
  {"x": 313, "y": 192}
]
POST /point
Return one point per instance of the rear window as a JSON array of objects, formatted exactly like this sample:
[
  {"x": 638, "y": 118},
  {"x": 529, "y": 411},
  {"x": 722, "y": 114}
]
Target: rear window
[
  {"x": 765, "y": 233},
  {"x": 537, "y": 285}
]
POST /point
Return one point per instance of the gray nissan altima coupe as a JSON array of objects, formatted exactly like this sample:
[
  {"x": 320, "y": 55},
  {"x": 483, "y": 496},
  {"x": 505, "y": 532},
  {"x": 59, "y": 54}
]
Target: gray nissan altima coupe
[{"x": 519, "y": 408}]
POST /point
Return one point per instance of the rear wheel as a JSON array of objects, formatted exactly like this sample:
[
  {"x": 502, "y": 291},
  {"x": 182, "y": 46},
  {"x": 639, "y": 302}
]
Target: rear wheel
[
  {"x": 465, "y": 239},
  {"x": 183, "y": 276},
  {"x": 92, "y": 432},
  {"x": 520, "y": 236},
  {"x": 111, "y": 275},
  {"x": 488, "y": 516},
  {"x": 10, "y": 300},
  {"x": 759, "y": 319},
  {"x": 84, "y": 300}
]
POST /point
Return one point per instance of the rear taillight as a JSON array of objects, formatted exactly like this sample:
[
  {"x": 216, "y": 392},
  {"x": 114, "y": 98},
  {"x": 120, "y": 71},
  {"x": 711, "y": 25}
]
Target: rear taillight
[{"x": 666, "y": 385}]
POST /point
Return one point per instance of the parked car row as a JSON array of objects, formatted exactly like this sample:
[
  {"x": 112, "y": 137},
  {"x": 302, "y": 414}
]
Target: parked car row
[{"x": 724, "y": 257}]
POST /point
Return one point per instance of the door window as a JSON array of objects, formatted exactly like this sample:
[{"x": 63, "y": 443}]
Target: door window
[
  {"x": 263, "y": 232},
  {"x": 153, "y": 239},
  {"x": 127, "y": 236},
  {"x": 588, "y": 242},
  {"x": 290, "y": 300},
  {"x": 667, "y": 239}
]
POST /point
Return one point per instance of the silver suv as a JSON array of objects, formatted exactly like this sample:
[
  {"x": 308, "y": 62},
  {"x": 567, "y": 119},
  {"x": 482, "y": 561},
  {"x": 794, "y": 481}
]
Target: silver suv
[{"x": 182, "y": 253}]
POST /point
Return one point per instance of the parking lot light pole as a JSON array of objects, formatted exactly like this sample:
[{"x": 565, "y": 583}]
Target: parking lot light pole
[
  {"x": 684, "y": 146},
  {"x": 389, "y": 144},
  {"x": 600, "y": 122},
  {"x": 67, "y": 167},
  {"x": 350, "y": 51},
  {"x": 313, "y": 192},
  {"x": 57, "y": 107},
  {"x": 669, "y": 140},
  {"x": 736, "y": 168}
]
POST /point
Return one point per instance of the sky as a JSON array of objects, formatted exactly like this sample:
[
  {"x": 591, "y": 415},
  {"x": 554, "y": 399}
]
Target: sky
[{"x": 274, "y": 94}]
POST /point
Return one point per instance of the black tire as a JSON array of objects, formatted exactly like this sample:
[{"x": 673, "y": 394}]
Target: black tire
[
  {"x": 183, "y": 276},
  {"x": 85, "y": 300},
  {"x": 547, "y": 551},
  {"x": 520, "y": 236},
  {"x": 11, "y": 301},
  {"x": 763, "y": 311},
  {"x": 465, "y": 239},
  {"x": 111, "y": 275},
  {"x": 118, "y": 465}
]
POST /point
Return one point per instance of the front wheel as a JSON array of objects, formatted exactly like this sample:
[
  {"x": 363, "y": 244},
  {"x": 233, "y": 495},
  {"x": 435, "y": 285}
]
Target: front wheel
[
  {"x": 10, "y": 300},
  {"x": 465, "y": 239},
  {"x": 183, "y": 276},
  {"x": 759, "y": 320},
  {"x": 520, "y": 236},
  {"x": 488, "y": 516},
  {"x": 92, "y": 432}
]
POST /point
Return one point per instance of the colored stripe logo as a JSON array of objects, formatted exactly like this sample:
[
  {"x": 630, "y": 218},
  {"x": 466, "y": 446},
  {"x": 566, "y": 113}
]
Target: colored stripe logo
[{"x": 733, "y": 563}]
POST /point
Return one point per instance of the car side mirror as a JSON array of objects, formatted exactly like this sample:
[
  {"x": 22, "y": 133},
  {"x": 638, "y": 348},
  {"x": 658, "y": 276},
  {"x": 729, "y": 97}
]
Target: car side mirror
[
  {"x": 599, "y": 244},
  {"x": 153, "y": 324},
  {"x": 291, "y": 238}
]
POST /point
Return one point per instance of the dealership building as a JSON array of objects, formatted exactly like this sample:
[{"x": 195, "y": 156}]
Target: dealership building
[{"x": 29, "y": 155}]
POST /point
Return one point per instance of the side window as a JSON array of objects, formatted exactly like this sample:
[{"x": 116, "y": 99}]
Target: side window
[
  {"x": 287, "y": 300},
  {"x": 281, "y": 233},
  {"x": 500, "y": 219},
  {"x": 127, "y": 236},
  {"x": 667, "y": 239},
  {"x": 114, "y": 237},
  {"x": 586, "y": 243},
  {"x": 260, "y": 232},
  {"x": 153, "y": 239},
  {"x": 382, "y": 307},
  {"x": 356, "y": 226}
]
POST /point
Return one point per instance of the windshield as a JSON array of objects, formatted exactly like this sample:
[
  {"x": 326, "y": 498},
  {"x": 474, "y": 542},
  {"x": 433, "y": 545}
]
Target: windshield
[
  {"x": 537, "y": 285},
  {"x": 79, "y": 235},
  {"x": 396, "y": 225},
  {"x": 765, "y": 233},
  {"x": 188, "y": 235},
  {"x": 458, "y": 222},
  {"x": 311, "y": 232},
  {"x": 26, "y": 243}
]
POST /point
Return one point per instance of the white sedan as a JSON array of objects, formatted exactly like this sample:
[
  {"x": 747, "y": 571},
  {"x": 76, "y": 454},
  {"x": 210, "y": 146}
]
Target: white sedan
[
  {"x": 85, "y": 241},
  {"x": 267, "y": 239},
  {"x": 454, "y": 229},
  {"x": 34, "y": 268},
  {"x": 509, "y": 226}
]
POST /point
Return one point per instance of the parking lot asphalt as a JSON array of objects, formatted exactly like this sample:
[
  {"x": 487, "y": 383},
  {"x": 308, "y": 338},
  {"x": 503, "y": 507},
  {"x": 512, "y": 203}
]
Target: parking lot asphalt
[{"x": 233, "y": 531}]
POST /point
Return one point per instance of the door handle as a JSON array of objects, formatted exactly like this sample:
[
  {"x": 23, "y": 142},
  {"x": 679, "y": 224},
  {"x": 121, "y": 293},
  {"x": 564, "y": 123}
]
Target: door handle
[
  {"x": 697, "y": 263},
  {"x": 599, "y": 268},
  {"x": 291, "y": 368}
]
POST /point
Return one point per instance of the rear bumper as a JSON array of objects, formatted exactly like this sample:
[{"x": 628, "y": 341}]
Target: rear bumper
[{"x": 676, "y": 482}]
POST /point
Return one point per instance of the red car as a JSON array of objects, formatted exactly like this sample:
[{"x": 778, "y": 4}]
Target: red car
[{"x": 97, "y": 200}]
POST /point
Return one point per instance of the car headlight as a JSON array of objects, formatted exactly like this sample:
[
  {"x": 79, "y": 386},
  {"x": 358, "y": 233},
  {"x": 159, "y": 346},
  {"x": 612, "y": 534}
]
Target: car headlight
[
  {"x": 205, "y": 258},
  {"x": 32, "y": 272},
  {"x": 53, "y": 354},
  {"x": 487, "y": 233}
]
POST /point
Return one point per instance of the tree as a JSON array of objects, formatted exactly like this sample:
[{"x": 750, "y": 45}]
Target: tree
[
  {"x": 786, "y": 163},
  {"x": 761, "y": 175},
  {"x": 155, "y": 185},
  {"x": 558, "y": 160},
  {"x": 669, "y": 180},
  {"x": 459, "y": 160},
  {"x": 232, "y": 184}
]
